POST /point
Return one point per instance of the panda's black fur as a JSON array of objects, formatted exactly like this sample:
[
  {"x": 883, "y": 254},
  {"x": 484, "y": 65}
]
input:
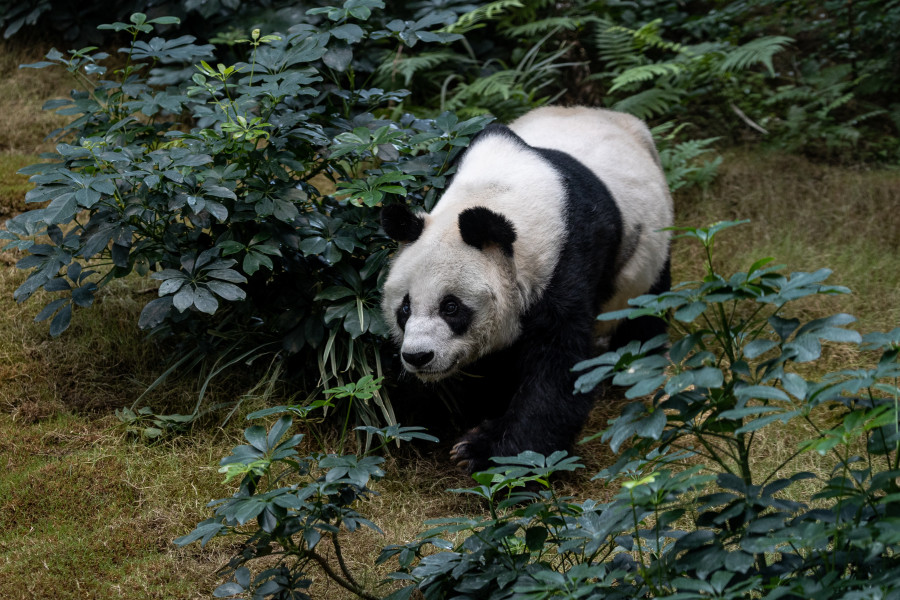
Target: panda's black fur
[{"x": 530, "y": 383}]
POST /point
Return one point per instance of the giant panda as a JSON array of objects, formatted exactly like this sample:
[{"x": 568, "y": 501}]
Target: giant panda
[{"x": 548, "y": 222}]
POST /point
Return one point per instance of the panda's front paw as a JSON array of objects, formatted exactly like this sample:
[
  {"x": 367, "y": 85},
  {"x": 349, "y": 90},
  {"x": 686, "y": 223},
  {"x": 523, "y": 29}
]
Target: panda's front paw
[{"x": 472, "y": 452}]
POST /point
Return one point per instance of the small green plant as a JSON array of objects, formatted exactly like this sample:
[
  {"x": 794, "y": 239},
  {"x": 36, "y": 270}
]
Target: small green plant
[
  {"x": 683, "y": 161},
  {"x": 289, "y": 507},
  {"x": 350, "y": 399},
  {"x": 149, "y": 426}
]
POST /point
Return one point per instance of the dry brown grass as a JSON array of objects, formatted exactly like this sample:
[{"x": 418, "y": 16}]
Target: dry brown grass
[
  {"x": 23, "y": 123},
  {"x": 89, "y": 514},
  {"x": 806, "y": 216},
  {"x": 85, "y": 510}
]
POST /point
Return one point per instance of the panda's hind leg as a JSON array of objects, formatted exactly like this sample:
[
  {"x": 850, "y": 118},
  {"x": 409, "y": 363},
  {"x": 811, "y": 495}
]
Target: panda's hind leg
[{"x": 644, "y": 328}]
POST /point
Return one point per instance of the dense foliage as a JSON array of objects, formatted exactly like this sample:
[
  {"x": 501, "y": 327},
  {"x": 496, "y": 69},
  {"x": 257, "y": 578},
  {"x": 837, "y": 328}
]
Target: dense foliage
[
  {"x": 698, "y": 513},
  {"x": 77, "y": 22},
  {"x": 260, "y": 221},
  {"x": 828, "y": 87}
]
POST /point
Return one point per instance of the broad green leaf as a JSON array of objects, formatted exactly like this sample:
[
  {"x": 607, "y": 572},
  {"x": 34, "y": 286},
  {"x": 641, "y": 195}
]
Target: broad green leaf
[
  {"x": 61, "y": 321},
  {"x": 205, "y": 301},
  {"x": 758, "y": 347},
  {"x": 762, "y": 392},
  {"x": 227, "y": 291}
]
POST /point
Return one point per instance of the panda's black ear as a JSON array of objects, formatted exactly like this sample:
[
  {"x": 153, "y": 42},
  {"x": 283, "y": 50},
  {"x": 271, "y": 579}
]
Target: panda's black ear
[
  {"x": 401, "y": 224},
  {"x": 481, "y": 227}
]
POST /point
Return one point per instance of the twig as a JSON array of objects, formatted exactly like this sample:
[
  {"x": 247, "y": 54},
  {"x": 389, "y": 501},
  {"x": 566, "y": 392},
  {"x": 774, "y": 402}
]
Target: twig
[
  {"x": 748, "y": 120},
  {"x": 340, "y": 559},
  {"x": 338, "y": 579}
]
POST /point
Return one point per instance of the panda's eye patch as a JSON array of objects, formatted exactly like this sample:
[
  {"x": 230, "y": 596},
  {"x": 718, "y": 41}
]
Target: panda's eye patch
[
  {"x": 456, "y": 314},
  {"x": 403, "y": 312},
  {"x": 450, "y": 306}
]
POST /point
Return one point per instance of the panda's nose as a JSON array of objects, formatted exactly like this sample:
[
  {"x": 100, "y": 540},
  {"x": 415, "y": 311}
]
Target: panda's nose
[{"x": 418, "y": 359}]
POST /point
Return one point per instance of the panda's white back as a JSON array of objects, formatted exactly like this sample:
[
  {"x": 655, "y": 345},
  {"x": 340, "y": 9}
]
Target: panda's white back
[{"x": 619, "y": 149}]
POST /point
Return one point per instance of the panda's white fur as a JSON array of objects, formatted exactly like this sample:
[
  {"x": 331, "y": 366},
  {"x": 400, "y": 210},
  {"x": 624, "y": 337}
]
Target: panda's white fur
[
  {"x": 505, "y": 289},
  {"x": 619, "y": 149},
  {"x": 498, "y": 289}
]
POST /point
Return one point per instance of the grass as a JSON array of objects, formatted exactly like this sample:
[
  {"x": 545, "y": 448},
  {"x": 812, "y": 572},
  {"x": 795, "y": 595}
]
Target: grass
[
  {"x": 13, "y": 186},
  {"x": 88, "y": 511},
  {"x": 806, "y": 216},
  {"x": 89, "y": 514},
  {"x": 23, "y": 92}
]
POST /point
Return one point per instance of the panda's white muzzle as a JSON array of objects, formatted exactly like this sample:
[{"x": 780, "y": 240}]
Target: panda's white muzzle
[{"x": 428, "y": 348}]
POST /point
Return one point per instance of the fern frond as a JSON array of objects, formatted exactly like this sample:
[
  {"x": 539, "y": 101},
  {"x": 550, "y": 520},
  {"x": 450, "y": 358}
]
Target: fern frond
[
  {"x": 649, "y": 103},
  {"x": 791, "y": 93},
  {"x": 685, "y": 163},
  {"x": 499, "y": 83},
  {"x": 869, "y": 115},
  {"x": 410, "y": 65},
  {"x": 646, "y": 73},
  {"x": 648, "y": 36},
  {"x": 544, "y": 25},
  {"x": 615, "y": 46},
  {"x": 473, "y": 19},
  {"x": 758, "y": 51},
  {"x": 836, "y": 103},
  {"x": 691, "y": 149}
]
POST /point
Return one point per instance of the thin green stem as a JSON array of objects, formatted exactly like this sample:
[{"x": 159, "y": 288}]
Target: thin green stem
[
  {"x": 346, "y": 424},
  {"x": 341, "y": 562},
  {"x": 781, "y": 465},
  {"x": 637, "y": 537},
  {"x": 715, "y": 457},
  {"x": 347, "y": 585}
]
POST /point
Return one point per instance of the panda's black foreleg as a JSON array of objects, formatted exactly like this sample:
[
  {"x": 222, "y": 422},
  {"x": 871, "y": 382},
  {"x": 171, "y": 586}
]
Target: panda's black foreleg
[{"x": 543, "y": 415}]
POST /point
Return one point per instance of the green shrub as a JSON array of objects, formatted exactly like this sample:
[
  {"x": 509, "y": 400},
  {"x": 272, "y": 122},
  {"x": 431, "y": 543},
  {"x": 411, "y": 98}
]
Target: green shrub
[
  {"x": 299, "y": 506},
  {"x": 260, "y": 222},
  {"x": 696, "y": 516}
]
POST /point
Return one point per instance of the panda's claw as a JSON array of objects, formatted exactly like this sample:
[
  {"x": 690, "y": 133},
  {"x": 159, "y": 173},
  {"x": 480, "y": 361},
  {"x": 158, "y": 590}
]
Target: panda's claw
[
  {"x": 459, "y": 455},
  {"x": 469, "y": 452}
]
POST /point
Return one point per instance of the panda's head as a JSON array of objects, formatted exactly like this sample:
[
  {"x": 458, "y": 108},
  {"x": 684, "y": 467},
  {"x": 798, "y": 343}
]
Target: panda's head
[{"x": 451, "y": 294}]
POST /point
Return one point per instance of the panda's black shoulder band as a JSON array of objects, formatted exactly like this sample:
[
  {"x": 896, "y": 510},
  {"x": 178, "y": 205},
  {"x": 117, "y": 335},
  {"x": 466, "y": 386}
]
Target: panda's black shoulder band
[
  {"x": 481, "y": 227},
  {"x": 401, "y": 224}
]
